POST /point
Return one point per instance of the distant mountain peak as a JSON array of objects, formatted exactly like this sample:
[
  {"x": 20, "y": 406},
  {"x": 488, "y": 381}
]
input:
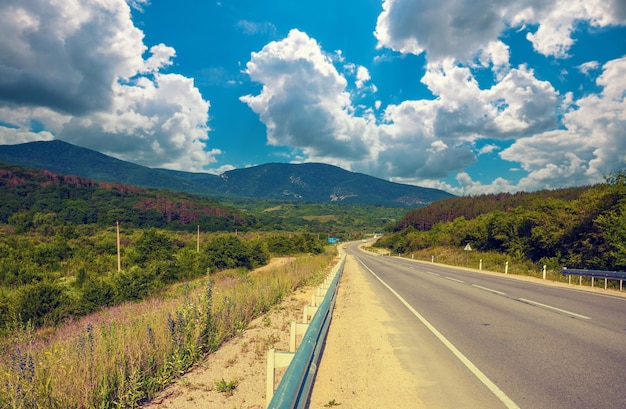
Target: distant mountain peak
[{"x": 306, "y": 182}]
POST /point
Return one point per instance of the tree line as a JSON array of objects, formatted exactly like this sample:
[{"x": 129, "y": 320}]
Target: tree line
[{"x": 581, "y": 227}]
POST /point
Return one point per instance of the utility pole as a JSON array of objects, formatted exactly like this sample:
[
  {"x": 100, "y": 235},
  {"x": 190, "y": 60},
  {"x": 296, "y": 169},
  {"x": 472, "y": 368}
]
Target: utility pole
[{"x": 119, "y": 254}]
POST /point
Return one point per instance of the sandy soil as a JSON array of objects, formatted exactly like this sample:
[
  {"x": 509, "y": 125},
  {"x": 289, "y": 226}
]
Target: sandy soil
[
  {"x": 358, "y": 368},
  {"x": 242, "y": 361}
]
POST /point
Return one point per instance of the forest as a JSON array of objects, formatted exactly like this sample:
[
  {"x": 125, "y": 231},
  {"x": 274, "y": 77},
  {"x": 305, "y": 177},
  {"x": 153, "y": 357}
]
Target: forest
[
  {"x": 31, "y": 197},
  {"x": 58, "y": 250},
  {"x": 583, "y": 227}
]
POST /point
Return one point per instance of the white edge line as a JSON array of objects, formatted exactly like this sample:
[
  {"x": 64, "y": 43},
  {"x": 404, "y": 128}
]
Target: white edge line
[
  {"x": 554, "y": 308},
  {"x": 488, "y": 289},
  {"x": 473, "y": 368}
]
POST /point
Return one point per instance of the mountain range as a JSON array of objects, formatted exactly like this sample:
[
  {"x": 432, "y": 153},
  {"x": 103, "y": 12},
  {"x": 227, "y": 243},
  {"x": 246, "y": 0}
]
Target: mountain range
[{"x": 306, "y": 182}]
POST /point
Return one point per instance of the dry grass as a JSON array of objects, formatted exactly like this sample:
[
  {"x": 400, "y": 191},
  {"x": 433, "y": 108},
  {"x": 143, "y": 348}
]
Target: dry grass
[{"x": 127, "y": 354}]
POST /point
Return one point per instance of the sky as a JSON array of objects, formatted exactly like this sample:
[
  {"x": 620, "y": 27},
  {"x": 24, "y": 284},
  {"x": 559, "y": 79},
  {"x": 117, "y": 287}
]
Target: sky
[{"x": 471, "y": 97}]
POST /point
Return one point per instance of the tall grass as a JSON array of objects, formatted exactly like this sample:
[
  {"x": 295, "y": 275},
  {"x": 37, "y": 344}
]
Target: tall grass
[{"x": 124, "y": 355}]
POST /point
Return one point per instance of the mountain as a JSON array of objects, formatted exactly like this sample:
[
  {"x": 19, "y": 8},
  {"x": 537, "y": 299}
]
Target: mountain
[
  {"x": 62, "y": 157},
  {"x": 307, "y": 182}
]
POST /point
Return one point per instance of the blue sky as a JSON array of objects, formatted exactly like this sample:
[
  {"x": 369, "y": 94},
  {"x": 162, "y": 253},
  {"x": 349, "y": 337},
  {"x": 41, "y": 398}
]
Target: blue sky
[{"x": 470, "y": 97}]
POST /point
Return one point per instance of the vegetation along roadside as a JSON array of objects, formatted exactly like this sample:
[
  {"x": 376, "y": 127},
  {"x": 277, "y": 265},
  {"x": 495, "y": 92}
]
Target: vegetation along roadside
[
  {"x": 123, "y": 355},
  {"x": 581, "y": 227}
]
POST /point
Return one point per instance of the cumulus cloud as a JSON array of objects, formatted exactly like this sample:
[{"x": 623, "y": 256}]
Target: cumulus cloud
[
  {"x": 66, "y": 55},
  {"x": 441, "y": 28},
  {"x": 592, "y": 143},
  {"x": 78, "y": 70},
  {"x": 304, "y": 102},
  {"x": 158, "y": 123},
  {"x": 460, "y": 29}
]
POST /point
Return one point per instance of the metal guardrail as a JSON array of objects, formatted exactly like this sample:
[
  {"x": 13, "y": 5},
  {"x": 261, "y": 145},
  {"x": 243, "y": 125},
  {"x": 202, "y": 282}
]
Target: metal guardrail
[
  {"x": 606, "y": 275},
  {"x": 616, "y": 275},
  {"x": 294, "y": 389}
]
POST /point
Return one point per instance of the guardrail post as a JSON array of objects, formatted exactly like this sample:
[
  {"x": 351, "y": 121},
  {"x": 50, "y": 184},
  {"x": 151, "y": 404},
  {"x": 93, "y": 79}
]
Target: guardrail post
[
  {"x": 297, "y": 328},
  {"x": 275, "y": 359}
]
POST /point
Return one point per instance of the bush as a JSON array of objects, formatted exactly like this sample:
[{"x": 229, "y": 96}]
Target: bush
[
  {"x": 41, "y": 302},
  {"x": 134, "y": 284}
]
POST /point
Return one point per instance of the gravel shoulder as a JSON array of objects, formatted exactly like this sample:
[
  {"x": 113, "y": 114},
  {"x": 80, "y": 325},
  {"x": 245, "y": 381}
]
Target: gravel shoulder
[{"x": 359, "y": 368}]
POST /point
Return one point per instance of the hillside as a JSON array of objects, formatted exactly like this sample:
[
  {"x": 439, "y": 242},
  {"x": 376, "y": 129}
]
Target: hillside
[
  {"x": 29, "y": 197},
  {"x": 308, "y": 182},
  {"x": 470, "y": 207},
  {"x": 576, "y": 227}
]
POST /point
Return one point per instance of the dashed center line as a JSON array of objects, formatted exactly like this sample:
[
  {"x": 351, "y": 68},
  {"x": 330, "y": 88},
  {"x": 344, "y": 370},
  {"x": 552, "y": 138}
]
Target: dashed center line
[
  {"x": 454, "y": 279},
  {"x": 488, "y": 289},
  {"x": 538, "y": 304}
]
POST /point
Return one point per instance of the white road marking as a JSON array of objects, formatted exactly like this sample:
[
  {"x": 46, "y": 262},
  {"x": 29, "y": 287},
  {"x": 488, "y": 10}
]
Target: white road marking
[
  {"x": 454, "y": 279},
  {"x": 432, "y": 274},
  {"x": 508, "y": 402},
  {"x": 554, "y": 308},
  {"x": 488, "y": 289}
]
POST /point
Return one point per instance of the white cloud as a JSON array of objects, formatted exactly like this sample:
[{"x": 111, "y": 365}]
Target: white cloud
[
  {"x": 304, "y": 103},
  {"x": 588, "y": 67},
  {"x": 441, "y": 28},
  {"x": 487, "y": 149},
  {"x": 362, "y": 76},
  {"x": 515, "y": 106},
  {"x": 158, "y": 123},
  {"x": 77, "y": 68},
  {"x": 591, "y": 145},
  {"x": 461, "y": 29},
  {"x": 254, "y": 28}
]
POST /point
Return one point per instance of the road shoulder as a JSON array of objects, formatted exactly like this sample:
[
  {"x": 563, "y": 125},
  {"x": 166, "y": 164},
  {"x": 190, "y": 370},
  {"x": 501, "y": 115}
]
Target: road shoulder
[{"x": 359, "y": 368}]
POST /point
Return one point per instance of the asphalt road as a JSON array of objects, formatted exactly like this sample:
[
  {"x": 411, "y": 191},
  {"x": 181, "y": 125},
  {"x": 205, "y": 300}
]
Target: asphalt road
[{"x": 488, "y": 340}]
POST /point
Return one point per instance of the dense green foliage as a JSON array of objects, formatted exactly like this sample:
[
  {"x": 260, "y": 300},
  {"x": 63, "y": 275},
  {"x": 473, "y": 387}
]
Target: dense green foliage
[
  {"x": 41, "y": 200},
  {"x": 47, "y": 277},
  {"x": 32, "y": 199},
  {"x": 577, "y": 228},
  {"x": 58, "y": 252},
  {"x": 346, "y": 221}
]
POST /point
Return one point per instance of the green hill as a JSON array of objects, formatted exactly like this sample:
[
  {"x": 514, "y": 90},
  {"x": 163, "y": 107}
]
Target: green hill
[
  {"x": 302, "y": 183},
  {"x": 580, "y": 227}
]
